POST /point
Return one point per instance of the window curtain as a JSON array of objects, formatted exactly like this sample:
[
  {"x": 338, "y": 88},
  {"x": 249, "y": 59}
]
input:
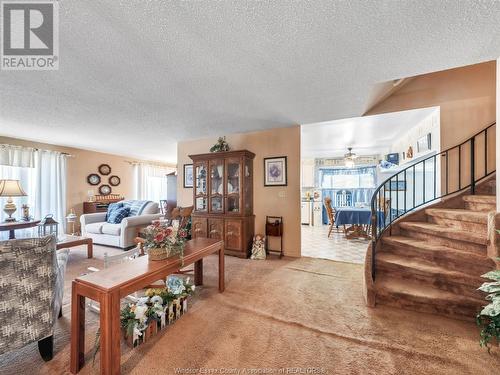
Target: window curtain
[
  {"x": 150, "y": 181},
  {"x": 42, "y": 175},
  {"x": 50, "y": 193}
]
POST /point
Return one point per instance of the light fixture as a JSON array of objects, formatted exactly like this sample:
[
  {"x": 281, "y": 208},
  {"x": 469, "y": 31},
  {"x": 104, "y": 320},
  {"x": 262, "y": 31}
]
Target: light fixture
[
  {"x": 349, "y": 158},
  {"x": 9, "y": 189}
]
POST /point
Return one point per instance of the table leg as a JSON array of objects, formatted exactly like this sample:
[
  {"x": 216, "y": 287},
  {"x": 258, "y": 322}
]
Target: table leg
[
  {"x": 221, "y": 269},
  {"x": 77, "y": 330},
  {"x": 198, "y": 272},
  {"x": 110, "y": 334},
  {"x": 12, "y": 235},
  {"x": 90, "y": 249}
]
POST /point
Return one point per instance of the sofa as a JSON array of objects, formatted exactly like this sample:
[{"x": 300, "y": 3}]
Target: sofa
[
  {"x": 122, "y": 234},
  {"x": 31, "y": 292}
]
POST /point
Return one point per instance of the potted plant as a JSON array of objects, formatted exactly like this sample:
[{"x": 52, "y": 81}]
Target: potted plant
[{"x": 489, "y": 317}]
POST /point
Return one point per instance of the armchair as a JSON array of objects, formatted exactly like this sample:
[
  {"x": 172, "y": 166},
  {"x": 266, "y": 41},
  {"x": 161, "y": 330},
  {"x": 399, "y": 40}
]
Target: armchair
[
  {"x": 31, "y": 289},
  {"x": 118, "y": 235}
]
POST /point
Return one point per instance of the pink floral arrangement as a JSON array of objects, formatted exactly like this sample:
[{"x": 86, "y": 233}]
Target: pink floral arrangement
[{"x": 159, "y": 235}]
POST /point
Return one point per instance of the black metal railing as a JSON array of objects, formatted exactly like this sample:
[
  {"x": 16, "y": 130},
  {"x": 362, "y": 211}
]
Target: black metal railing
[{"x": 436, "y": 176}]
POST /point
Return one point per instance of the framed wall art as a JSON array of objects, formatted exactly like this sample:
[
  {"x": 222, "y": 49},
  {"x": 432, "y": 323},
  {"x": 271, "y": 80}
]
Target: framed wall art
[
  {"x": 188, "y": 175},
  {"x": 275, "y": 171}
]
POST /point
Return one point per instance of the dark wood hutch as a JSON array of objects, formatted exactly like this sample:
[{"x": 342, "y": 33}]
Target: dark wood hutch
[{"x": 223, "y": 199}]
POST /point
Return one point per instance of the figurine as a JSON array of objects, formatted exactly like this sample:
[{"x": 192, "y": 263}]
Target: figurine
[{"x": 258, "y": 247}]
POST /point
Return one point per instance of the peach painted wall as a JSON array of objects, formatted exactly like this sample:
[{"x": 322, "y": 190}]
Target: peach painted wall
[
  {"x": 276, "y": 201},
  {"x": 80, "y": 166},
  {"x": 467, "y": 100}
]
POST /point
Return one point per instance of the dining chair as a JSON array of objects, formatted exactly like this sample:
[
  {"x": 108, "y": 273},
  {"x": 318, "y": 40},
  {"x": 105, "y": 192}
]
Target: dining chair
[{"x": 331, "y": 214}]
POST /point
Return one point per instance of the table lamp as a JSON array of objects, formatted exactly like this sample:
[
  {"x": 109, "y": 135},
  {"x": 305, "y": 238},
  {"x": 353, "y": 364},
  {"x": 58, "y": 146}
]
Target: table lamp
[{"x": 9, "y": 189}]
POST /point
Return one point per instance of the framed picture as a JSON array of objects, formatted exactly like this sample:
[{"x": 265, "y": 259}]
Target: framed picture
[
  {"x": 424, "y": 143},
  {"x": 188, "y": 175},
  {"x": 275, "y": 173}
]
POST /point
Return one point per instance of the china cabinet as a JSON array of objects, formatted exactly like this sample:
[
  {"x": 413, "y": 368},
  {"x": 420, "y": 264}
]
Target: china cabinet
[{"x": 223, "y": 199}]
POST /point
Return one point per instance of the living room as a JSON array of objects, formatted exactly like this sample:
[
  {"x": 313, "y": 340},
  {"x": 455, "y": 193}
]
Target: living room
[{"x": 151, "y": 181}]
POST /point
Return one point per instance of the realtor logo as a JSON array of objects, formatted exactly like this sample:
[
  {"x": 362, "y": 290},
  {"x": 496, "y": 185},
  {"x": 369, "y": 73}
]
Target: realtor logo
[{"x": 30, "y": 35}]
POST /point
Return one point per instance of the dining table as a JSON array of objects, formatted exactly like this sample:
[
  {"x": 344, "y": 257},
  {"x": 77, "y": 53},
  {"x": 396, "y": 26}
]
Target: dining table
[{"x": 356, "y": 220}]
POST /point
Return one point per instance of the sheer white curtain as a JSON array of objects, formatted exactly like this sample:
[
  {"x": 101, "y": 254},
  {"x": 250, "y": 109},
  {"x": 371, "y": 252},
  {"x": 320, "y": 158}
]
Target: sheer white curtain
[
  {"x": 50, "y": 193},
  {"x": 150, "y": 181},
  {"x": 42, "y": 175}
]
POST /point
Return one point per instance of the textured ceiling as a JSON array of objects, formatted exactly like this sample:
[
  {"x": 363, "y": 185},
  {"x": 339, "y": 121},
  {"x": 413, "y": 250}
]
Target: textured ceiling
[
  {"x": 368, "y": 135},
  {"x": 137, "y": 76}
]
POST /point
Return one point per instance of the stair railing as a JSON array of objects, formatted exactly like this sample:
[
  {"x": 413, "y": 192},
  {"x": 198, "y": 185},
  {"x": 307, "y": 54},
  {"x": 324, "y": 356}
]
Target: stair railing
[{"x": 446, "y": 172}]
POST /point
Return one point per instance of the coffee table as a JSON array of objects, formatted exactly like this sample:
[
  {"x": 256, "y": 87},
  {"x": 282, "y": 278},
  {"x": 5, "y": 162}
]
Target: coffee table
[{"x": 67, "y": 240}]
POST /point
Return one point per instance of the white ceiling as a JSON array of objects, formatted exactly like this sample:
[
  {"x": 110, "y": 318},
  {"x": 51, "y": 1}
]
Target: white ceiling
[
  {"x": 369, "y": 135},
  {"x": 135, "y": 76}
]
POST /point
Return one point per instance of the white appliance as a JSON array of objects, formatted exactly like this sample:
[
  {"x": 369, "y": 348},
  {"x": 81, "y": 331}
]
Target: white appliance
[
  {"x": 317, "y": 214},
  {"x": 305, "y": 212}
]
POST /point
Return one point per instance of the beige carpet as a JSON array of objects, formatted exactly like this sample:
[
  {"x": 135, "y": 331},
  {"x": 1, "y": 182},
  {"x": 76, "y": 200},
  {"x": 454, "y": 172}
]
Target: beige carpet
[{"x": 303, "y": 313}]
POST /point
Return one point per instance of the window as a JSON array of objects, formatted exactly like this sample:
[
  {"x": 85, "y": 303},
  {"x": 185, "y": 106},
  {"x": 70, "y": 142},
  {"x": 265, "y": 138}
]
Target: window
[
  {"x": 151, "y": 182},
  {"x": 357, "y": 178}
]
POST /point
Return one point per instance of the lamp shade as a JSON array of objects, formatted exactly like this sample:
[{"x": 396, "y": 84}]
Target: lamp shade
[{"x": 11, "y": 188}]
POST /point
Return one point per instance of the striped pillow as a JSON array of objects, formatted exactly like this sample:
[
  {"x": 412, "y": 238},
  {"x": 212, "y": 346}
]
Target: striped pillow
[{"x": 118, "y": 215}]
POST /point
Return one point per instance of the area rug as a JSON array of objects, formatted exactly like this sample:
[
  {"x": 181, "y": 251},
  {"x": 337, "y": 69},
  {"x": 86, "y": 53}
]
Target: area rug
[{"x": 288, "y": 316}]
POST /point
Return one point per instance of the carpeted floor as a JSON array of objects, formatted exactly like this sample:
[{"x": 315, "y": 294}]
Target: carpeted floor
[{"x": 292, "y": 313}]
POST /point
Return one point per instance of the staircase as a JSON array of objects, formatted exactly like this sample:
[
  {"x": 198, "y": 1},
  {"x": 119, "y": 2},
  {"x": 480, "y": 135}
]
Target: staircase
[{"x": 431, "y": 260}]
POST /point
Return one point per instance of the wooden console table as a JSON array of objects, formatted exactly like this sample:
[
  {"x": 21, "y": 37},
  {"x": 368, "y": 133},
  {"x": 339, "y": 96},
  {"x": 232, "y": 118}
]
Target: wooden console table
[{"x": 108, "y": 286}]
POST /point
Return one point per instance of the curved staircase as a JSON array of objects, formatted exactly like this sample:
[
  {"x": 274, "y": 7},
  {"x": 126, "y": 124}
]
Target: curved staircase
[
  {"x": 435, "y": 265},
  {"x": 431, "y": 259}
]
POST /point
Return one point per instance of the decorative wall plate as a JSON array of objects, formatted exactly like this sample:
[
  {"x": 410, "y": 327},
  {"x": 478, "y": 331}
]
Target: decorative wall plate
[
  {"x": 93, "y": 179},
  {"x": 104, "y": 189},
  {"x": 114, "y": 180},
  {"x": 104, "y": 169}
]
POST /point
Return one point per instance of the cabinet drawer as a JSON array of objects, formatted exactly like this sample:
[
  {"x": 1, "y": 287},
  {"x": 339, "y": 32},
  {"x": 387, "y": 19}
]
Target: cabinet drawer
[
  {"x": 216, "y": 228},
  {"x": 234, "y": 234},
  {"x": 199, "y": 227}
]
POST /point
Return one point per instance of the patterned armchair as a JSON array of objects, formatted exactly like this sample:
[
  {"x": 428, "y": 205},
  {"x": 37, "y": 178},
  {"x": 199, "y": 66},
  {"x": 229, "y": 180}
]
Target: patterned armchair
[{"x": 31, "y": 292}]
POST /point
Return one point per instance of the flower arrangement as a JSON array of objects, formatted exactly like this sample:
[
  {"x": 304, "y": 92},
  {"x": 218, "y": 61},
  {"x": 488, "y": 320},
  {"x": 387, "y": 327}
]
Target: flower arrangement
[
  {"x": 163, "y": 241},
  {"x": 158, "y": 307},
  {"x": 220, "y": 146},
  {"x": 489, "y": 317}
]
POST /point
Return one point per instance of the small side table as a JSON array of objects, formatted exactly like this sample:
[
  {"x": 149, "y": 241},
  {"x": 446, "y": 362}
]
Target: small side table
[
  {"x": 12, "y": 226},
  {"x": 274, "y": 228}
]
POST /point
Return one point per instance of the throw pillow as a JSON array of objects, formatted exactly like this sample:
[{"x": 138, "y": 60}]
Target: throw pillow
[
  {"x": 112, "y": 207},
  {"x": 118, "y": 215}
]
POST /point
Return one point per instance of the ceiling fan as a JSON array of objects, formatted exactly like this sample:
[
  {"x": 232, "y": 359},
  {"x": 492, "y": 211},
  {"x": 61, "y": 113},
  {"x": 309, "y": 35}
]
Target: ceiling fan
[{"x": 349, "y": 158}]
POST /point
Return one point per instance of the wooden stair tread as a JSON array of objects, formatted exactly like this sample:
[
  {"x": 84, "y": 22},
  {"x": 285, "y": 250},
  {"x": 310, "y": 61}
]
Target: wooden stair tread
[
  {"x": 424, "y": 267},
  {"x": 479, "y": 198},
  {"x": 459, "y": 214},
  {"x": 423, "y": 292},
  {"x": 445, "y": 231}
]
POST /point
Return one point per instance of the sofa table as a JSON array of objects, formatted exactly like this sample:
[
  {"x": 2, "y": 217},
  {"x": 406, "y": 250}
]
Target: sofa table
[
  {"x": 108, "y": 286},
  {"x": 67, "y": 240}
]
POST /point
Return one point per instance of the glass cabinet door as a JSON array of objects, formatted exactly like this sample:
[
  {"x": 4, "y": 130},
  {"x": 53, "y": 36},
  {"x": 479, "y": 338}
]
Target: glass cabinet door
[
  {"x": 233, "y": 185},
  {"x": 248, "y": 193},
  {"x": 216, "y": 186},
  {"x": 200, "y": 187}
]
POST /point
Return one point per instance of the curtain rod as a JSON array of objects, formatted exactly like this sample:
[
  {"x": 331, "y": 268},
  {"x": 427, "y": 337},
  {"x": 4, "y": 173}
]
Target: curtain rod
[
  {"x": 166, "y": 165},
  {"x": 6, "y": 145}
]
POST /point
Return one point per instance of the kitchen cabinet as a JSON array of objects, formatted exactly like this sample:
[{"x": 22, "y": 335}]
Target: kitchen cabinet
[
  {"x": 305, "y": 212},
  {"x": 308, "y": 173}
]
